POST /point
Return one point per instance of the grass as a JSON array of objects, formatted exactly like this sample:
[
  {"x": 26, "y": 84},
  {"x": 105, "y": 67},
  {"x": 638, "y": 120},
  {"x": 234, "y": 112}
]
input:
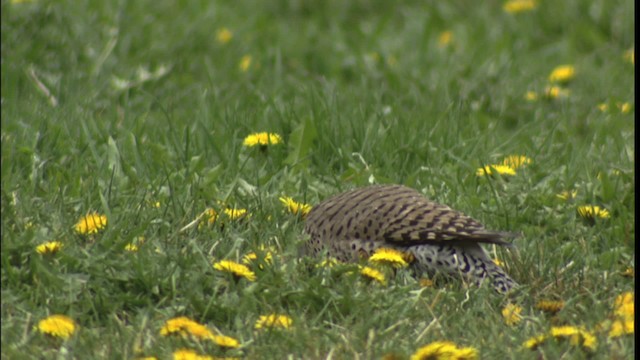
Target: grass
[{"x": 361, "y": 92}]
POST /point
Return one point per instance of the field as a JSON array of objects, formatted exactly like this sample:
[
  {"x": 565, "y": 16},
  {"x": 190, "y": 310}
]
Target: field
[{"x": 128, "y": 171}]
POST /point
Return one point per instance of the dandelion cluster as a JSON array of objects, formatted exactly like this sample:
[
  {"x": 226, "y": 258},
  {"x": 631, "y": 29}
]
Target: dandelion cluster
[
  {"x": 591, "y": 212},
  {"x": 495, "y": 169},
  {"x": 372, "y": 274},
  {"x": 235, "y": 214},
  {"x": 49, "y": 248},
  {"x": 576, "y": 336},
  {"x": 91, "y": 224},
  {"x": 441, "y": 350},
  {"x": 60, "y": 326},
  {"x": 185, "y": 327},
  {"x": 624, "y": 315},
  {"x": 294, "y": 207},
  {"x": 389, "y": 257},
  {"x": 511, "y": 314},
  {"x": 237, "y": 270},
  {"x": 273, "y": 321},
  {"x": 262, "y": 138},
  {"x": 622, "y": 107}
]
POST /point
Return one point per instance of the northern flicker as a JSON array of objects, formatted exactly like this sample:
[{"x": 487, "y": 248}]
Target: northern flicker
[{"x": 353, "y": 224}]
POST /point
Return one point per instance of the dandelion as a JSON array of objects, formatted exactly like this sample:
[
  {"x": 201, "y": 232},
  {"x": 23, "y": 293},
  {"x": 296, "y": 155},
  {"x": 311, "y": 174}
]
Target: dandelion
[
  {"x": 562, "y": 74},
  {"x": 499, "y": 169},
  {"x": 91, "y": 223},
  {"x": 556, "y": 92},
  {"x": 624, "y": 305},
  {"x": 49, "y": 248},
  {"x": 226, "y": 341},
  {"x": 235, "y": 214},
  {"x": 622, "y": 327},
  {"x": 387, "y": 256},
  {"x": 576, "y": 336},
  {"x": 294, "y": 207},
  {"x": 628, "y": 272},
  {"x": 266, "y": 256},
  {"x": 441, "y": 350},
  {"x": 245, "y": 63},
  {"x": 262, "y": 138},
  {"x": 238, "y": 270},
  {"x": 534, "y": 342},
  {"x": 184, "y": 327},
  {"x": 186, "y": 354},
  {"x": 531, "y": 96},
  {"x": 328, "y": 263},
  {"x": 372, "y": 274},
  {"x": 274, "y": 320},
  {"x": 445, "y": 38},
  {"x": 518, "y": 6},
  {"x": 498, "y": 262},
  {"x": 208, "y": 217},
  {"x": 604, "y": 107},
  {"x": 550, "y": 306},
  {"x": 567, "y": 194},
  {"x": 629, "y": 56},
  {"x": 590, "y": 212},
  {"x": 511, "y": 314},
  {"x": 624, "y": 107},
  {"x": 516, "y": 161},
  {"x": 131, "y": 247},
  {"x": 224, "y": 35},
  {"x": 57, "y": 326}
]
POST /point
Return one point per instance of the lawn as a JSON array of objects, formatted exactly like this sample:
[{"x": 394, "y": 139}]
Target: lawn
[{"x": 130, "y": 166}]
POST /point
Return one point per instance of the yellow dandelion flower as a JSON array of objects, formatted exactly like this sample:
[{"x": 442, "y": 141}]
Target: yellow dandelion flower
[
  {"x": 624, "y": 305},
  {"x": 131, "y": 247},
  {"x": 604, "y": 107},
  {"x": 629, "y": 272},
  {"x": 562, "y": 74},
  {"x": 186, "y": 354},
  {"x": 274, "y": 320},
  {"x": 57, "y": 326},
  {"x": 91, "y": 224},
  {"x": 531, "y": 96},
  {"x": 498, "y": 262},
  {"x": 235, "y": 214},
  {"x": 499, "y": 169},
  {"x": 534, "y": 342},
  {"x": 550, "y": 306},
  {"x": 226, "y": 341},
  {"x": 518, "y": 6},
  {"x": 238, "y": 270},
  {"x": 147, "y": 358},
  {"x": 294, "y": 207},
  {"x": 445, "y": 38},
  {"x": 184, "y": 326},
  {"x": 266, "y": 256},
  {"x": 208, "y": 217},
  {"x": 622, "y": 327},
  {"x": 444, "y": 350},
  {"x": 245, "y": 63},
  {"x": 624, "y": 107},
  {"x": 567, "y": 194},
  {"x": 224, "y": 35},
  {"x": 629, "y": 56},
  {"x": 390, "y": 257},
  {"x": 516, "y": 161},
  {"x": 575, "y": 335},
  {"x": 328, "y": 263},
  {"x": 372, "y": 274},
  {"x": 49, "y": 248},
  {"x": 591, "y": 212},
  {"x": 424, "y": 282},
  {"x": 511, "y": 314},
  {"x": 262, "y": 138},
  {"x": 556, "y": 92}
]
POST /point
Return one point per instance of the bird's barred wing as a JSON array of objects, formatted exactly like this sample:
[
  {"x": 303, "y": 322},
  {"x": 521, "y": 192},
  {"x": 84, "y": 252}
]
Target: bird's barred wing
[{"x": 423, "y": 221}]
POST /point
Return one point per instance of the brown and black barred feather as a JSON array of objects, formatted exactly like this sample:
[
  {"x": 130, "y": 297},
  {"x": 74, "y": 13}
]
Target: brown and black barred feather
[{"x": 355, "y": 223}]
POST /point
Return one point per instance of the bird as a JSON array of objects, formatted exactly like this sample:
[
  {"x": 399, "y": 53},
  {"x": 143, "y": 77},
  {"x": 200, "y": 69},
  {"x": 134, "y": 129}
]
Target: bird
[{"x": 440, "y": 240}]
